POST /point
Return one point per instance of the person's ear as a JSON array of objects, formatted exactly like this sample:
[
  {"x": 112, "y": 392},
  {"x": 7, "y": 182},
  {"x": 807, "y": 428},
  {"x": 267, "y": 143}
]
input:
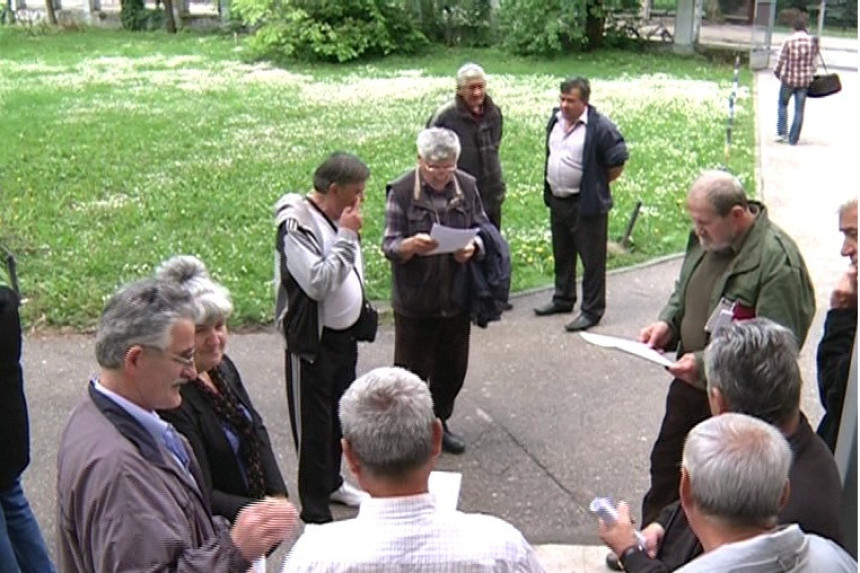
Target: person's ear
[
  {"x": 351, "y": 461},
  {"x": 132, "y": 358},
  {"x": 786, "y": 494},
  {"x": 437, "y": 438},
  {"x": 684, "y": 492},
  {"x": 717, "y": 402}
]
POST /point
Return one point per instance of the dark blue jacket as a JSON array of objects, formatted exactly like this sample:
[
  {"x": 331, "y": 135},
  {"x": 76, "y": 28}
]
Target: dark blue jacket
[
  {"x": 483, "y": 284},
  {"x": 604, "y": 149}
]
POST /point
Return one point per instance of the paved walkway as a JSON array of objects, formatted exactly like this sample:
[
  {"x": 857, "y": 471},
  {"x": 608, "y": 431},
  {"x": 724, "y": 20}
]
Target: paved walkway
[{"x": 550, "y": 421}]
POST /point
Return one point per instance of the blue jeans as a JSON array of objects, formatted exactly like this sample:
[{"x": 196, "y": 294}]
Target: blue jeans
[
  {"x": 785, "y": 93},
  {"x": 22, "y": 547}
]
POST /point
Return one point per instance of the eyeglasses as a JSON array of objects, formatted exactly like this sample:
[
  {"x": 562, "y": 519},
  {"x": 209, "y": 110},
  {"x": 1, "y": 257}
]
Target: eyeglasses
[
  {"x": 184, "y": 361},
  {"x": 440, "y": 168}
]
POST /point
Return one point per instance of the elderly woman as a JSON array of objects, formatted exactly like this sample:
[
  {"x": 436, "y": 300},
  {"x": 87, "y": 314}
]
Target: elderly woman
[
  {"x": 431, "y": 332},
  {"x": 217, "y": 416}
]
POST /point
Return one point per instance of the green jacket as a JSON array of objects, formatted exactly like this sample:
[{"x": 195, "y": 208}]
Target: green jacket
[{"x": 768, "y": 275}]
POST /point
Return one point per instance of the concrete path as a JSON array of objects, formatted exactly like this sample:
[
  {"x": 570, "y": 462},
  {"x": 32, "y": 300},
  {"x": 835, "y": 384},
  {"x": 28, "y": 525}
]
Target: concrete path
[{"x": 550, "y": 421}]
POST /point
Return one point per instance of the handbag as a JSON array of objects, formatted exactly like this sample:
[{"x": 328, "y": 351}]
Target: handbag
[
  {"x": 367, "y": 324},
  {"x": 824, "y": 84}
]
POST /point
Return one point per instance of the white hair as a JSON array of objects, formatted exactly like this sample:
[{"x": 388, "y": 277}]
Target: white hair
[
  {"x": 470, "y": 71},
  {"x": 211, "y": 300},
  {"x": 737, "y": 467},
  {"x": 438, "y": 144}
]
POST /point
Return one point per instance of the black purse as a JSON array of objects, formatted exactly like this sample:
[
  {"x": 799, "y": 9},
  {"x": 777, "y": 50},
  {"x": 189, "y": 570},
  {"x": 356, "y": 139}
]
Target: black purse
[{"x": 367, "y": 324}]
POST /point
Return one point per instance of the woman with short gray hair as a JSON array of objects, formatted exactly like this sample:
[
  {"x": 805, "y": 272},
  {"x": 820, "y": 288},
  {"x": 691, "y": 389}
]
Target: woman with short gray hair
[{"x": 217, "y": 415}]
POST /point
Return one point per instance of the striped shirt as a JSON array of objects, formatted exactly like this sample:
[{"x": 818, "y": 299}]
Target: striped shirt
[
  {"x": 410, "y": 533},
  {"x": 796, "y": 64}
]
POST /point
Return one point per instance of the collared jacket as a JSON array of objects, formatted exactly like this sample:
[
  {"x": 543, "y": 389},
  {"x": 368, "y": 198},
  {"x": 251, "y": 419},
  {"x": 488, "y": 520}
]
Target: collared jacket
[
  {"x": 768, "y": 275},
  {"x": 834, "y": 363},
  {"x": 304, "y": 270},
  {"x": 604, "y": 149},
  {"x": 483, "y": 284},
  {"x": 423, "y": 285},
  {"x": 124, "y": 505},
  {"x": 480, "y": 140},
  {"x": 222, "y": 473},
  {"x": 787, "y": 549}
]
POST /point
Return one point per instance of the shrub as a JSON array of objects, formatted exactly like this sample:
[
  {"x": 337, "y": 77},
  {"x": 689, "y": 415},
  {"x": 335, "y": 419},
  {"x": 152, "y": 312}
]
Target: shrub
[
  {"x": 330, "y": 30},
  {"x": 542, "y": 28},
  {"x": 133, "y": 14}
]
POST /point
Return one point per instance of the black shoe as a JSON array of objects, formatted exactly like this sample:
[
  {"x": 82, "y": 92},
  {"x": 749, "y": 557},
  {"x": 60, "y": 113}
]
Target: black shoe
[
  {"x": 553, "y": 308},
  {"x": 581, "y": 322},
  {"x": 612, "y": 562},
  {"x": 451, "y": 442},
  {"x": 507, "y": 306}
]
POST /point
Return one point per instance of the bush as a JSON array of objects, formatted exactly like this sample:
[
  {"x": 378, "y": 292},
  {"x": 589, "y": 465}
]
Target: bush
[
  {"x": 455, "y": 23},
  {"x": 133, "y": 14},
  {"x": 330, "y": 30}
]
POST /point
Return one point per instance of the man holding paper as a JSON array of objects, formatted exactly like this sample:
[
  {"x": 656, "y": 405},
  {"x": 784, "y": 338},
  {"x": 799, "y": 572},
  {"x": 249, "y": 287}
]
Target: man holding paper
[
  {"x": 431, "y": 333},
  {"x": 391, "y": 440},
  {"x": 738, "y": 265}
]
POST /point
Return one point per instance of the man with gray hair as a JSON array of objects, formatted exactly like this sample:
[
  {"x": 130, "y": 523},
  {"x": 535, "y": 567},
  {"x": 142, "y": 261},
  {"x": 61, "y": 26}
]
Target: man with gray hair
[
  {"x": 431, "y": 330},
  {"x": 840, "y": 330},
  {"x": 734, "y": 480},
  {"x": 130, "y": 494},
  {"x": 751, "y": 369},
  {"x": 738, "y": 265},
  {"x": 478, "y": 122},
  {"x": 391, "y": 440}
]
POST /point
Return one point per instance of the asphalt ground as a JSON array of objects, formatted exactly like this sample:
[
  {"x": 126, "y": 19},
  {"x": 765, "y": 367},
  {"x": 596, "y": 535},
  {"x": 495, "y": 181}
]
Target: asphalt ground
[{"x": 550, "y": 421}]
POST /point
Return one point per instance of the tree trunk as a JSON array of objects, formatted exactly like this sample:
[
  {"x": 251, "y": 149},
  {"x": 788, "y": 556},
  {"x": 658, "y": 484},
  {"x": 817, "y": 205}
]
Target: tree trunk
[
  {"x": 50, "y": 13},
  {"x": 169, "y": 19},
  {"x": 595, "y": 21}
]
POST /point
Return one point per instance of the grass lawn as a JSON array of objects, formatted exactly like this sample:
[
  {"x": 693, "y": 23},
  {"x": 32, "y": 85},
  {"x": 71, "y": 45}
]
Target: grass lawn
[{"x": 120, "y": 150}]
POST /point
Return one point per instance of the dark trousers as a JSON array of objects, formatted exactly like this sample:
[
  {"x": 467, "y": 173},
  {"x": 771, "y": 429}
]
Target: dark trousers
[
  {"x": 313, "y": 393},
  {"x": 574, "y": 235},
  {"x": 437, "y": 350},
  {"x": 686, "y": 406}
]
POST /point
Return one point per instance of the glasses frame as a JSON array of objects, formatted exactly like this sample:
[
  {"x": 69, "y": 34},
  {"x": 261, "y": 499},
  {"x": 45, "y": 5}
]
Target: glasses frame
[{"x": 183, "y": 361}]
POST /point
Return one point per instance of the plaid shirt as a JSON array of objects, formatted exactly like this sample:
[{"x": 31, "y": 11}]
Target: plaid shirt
[{"x": 796, "y": 64}]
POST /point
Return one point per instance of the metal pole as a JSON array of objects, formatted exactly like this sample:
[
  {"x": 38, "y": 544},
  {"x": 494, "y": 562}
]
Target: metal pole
[
  {"x": 626, "y": 239},
  {"x": 731, "y": 119},
  {"x": 821, "y": 9}
]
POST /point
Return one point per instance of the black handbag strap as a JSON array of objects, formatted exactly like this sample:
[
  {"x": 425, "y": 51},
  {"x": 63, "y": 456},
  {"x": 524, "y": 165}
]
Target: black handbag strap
[
  {"x": 820, "y": 55},
  {"x": 334, "y": 228}
]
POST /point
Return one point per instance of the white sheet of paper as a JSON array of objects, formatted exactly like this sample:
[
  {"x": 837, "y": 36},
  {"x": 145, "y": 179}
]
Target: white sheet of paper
[
  {"x": 445, "y": 487},
  {"x": 450, "y": 239},
  {"x": 258, "y": 566},
  {"x": 626, "y": 345}
]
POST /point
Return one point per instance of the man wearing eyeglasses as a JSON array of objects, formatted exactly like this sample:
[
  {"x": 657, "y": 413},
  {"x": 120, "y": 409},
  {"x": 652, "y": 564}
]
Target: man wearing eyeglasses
[
  {"x": 738, "y": 266},
  {"x": 431, "y": 332},
  {"x": 129, "y": 495},
  {"x": 585, "y": 152}
]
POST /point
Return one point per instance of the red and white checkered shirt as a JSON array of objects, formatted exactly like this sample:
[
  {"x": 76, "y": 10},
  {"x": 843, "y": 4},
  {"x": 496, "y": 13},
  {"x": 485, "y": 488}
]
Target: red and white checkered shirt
[{"x": 796, "y": 64}]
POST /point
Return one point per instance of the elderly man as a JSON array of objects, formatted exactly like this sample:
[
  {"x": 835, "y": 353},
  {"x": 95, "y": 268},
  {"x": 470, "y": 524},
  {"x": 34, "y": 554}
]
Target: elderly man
[
  {"x": 129, "y": 489},
  {"x": 477, "y": 121},
  {"x": 585, "y": 152},
  {"x": 738, "y": 265},
  {"x": 431, "y": 332},
  {"x": 794, "y": 69},
  {"x": 840, "y": 329},
  {"x": 319, "y": 275},
  {"x": 751, "y": 368},
  {"x": 734, "y": 480},
  {"x": 391, "y": 440}
]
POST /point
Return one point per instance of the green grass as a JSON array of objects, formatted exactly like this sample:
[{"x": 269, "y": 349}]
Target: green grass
[{"x": 120, "y": 150}]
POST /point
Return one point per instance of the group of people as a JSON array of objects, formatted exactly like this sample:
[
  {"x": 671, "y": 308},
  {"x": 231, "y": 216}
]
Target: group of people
[{"x": 166, "y": 464}]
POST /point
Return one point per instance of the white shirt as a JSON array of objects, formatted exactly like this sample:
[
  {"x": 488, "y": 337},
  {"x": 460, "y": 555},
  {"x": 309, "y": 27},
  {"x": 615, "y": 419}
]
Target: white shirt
[
  {"x": 566, "y": 147},
  {"x": 409, "y": 534},
  {"x": 342, "y": 307}
]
